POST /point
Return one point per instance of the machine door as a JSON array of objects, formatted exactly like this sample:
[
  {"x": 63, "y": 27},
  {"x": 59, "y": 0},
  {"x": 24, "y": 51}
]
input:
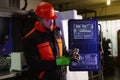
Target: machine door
[{"x": 83, "y": 34}]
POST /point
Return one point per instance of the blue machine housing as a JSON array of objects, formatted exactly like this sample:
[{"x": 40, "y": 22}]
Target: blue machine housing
[
  {"x": 5, "y": 36},
  {"x": 83, "y": 34}
]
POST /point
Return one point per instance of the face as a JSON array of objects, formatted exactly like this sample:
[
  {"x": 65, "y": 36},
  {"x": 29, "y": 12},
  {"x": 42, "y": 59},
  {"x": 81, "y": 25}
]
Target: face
[{"x": 48, "y": 24}]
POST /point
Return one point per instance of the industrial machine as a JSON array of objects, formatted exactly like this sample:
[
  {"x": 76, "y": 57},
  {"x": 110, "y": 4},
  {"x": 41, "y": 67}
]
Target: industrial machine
[{"x": 5, "y": 42}]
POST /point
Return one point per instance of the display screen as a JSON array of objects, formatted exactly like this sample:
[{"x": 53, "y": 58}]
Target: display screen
[{"x": 83, "y": 31}]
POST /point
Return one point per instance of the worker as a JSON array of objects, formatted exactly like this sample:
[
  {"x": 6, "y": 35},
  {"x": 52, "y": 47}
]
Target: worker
[{"x": 43, "y": 47}]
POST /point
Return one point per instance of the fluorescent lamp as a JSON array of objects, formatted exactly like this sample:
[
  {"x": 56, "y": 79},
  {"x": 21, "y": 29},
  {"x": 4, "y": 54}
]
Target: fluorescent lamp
[{"x": 108, "y": 2}]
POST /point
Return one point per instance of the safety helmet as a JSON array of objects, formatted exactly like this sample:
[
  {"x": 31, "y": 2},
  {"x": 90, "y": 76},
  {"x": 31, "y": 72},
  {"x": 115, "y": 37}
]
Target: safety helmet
[{"x": 45, "y": 10}]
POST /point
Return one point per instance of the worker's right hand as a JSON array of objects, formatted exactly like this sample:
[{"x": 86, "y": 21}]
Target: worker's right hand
[
  {"x": 74, "y": 55},
  {"x": 63, "y": 61}
]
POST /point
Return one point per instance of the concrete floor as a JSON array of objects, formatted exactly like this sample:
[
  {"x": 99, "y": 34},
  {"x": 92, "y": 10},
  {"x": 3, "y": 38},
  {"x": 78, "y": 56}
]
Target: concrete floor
[{"x": 114, "y": 76}]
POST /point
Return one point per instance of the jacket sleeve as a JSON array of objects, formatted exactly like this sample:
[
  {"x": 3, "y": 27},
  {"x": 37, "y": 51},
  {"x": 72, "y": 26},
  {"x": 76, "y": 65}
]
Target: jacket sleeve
[{"x": 65, "y": 51}]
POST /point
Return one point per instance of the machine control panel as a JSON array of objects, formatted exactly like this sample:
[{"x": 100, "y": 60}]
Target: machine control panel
[{"x": 83, "y": 34}]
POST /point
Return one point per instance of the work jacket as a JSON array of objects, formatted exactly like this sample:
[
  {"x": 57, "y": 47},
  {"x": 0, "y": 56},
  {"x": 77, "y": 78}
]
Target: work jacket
[{"x": 41, "y": 49}]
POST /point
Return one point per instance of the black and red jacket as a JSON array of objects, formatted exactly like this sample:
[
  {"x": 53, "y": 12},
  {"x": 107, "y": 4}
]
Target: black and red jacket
[{"x": 41, "y": 48}]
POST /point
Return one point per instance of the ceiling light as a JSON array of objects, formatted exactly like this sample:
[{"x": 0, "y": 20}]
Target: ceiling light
[{"x": 108, "y": 2}]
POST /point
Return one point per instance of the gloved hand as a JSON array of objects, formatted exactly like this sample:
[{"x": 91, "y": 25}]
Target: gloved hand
[
  {"x": 74, "y": 55},
  {"x": 63, "y": 61}
]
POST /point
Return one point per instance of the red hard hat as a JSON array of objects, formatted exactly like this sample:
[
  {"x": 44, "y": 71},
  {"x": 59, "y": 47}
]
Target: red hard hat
[{"x": 45, "y": 10}]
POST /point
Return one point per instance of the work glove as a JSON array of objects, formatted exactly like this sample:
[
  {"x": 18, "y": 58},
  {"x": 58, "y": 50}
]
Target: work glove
[
  {"x": 63, "y": 61},
  {"x": 74, "y": 55}
]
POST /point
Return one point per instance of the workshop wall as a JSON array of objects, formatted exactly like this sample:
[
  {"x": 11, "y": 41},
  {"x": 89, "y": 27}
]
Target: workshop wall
[
  {"x": 106, "y": 12},
  {"x": 31, "y": 4}
]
